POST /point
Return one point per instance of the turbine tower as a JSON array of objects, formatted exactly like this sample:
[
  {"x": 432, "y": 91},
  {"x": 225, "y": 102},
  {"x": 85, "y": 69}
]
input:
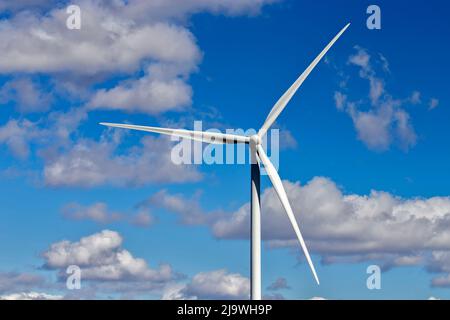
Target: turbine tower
[{"x": 258, "y": 156}]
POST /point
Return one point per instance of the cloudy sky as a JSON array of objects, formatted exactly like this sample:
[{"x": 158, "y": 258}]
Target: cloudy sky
[{"x": 364, "y": 153}]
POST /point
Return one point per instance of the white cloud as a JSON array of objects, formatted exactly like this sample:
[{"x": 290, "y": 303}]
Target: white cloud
[
  {"x": 442, "y": 281},
  {"x": 433, "y": 103},
  {"x": 29, "y": 97},
  {"x": 376, "y": 90},
  {"x": 385, "y": 121},
  {"x": 377, "y": 128},
  {"x": 14, "y": 281},
  {"x": 278, "y": 284},
  {"x": 18, "y": 135},
  {"x": 217, "y": 284},
  {"x": 188, "y": 209},
  {"x": 152, "y": 94},
  {"x": 83, "y": 253},
  {"x": 64, "y": 124},
  {"x": 404, "y": 129},
  {"x": 102, "y": 258},
  {"x": 142, "y": 219},
  {"x": 30, "y": 296},
  {"x": 70, "y": 160},
  {"x": 416, "y": 97},
  {"x": 53, "y": 131},
  {"x": 361, "y": 59},
  {"x": 328, "y": 215},
  {"x": 353, "y": 228},
  {"x": 106, "y": 42},
  {"x": 99, "y": 212},
  {"x": 384, "y": 63},
  {"x": 90, "y": 163},
  {"x": 117, "y": 38},
  {"x": 135, "y": 56},
  {"x": 287, "y": 140},
  {"x": 373, "y": 127},
  {"x": 340, "y": 100},
  {"x": 175, "y": 292}
]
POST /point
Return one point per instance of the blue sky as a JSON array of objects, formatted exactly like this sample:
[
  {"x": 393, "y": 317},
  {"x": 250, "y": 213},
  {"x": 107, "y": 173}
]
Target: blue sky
[{"x": 372, "y": 116}]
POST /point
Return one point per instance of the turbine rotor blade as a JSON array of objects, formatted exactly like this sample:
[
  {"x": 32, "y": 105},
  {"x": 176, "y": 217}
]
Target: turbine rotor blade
[
  {"x": 202, "y": 136},
  {"x": 287, "y": 96},
  {"x": 278, "y": 186}
]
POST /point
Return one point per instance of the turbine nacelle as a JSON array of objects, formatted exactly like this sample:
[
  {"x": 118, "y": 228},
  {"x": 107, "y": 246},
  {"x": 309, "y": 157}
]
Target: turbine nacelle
[{"x": 255, "y": 140}]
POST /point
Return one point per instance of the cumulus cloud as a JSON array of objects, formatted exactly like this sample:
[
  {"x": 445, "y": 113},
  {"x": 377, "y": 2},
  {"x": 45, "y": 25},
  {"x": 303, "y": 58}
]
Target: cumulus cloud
[
  {"x": 378, "y": 128},
  {"x": 110, "y": 42},
  {"x": 117, "y": 38},
  {"x": 71, "y": 160},
  {"x": 26, "y": 94},
  {"x": 217, "y": 284},
  {"x": 152, "y": 93},
  {"x": 62, "y": 125},
  {"x": 351, "y": 228},
  {"x": 133, "y": 56},
  {"x": 91, "y": 163},
  {"x": 53, "y": 132},
  {"x": 175, "y": 292},
  {"x": 385, "y": 120},
  {"x": 106, "y": 267},
  {"x": 102, "y": 258},
  {"x": 358, "y": 224},
  {"x": 18, "y": 134}
]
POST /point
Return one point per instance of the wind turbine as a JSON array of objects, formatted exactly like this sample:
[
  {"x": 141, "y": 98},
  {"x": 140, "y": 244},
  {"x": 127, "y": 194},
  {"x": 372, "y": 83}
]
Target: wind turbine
[{"x": 258, "y": 155}]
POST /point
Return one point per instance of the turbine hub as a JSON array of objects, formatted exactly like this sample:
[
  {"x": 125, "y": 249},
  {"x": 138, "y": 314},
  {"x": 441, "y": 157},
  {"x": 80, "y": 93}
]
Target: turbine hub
[{"x": 255, "y": 139}]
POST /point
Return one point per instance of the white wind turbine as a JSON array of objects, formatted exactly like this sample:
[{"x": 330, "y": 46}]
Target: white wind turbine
[{"x": 258, "y": 155}]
